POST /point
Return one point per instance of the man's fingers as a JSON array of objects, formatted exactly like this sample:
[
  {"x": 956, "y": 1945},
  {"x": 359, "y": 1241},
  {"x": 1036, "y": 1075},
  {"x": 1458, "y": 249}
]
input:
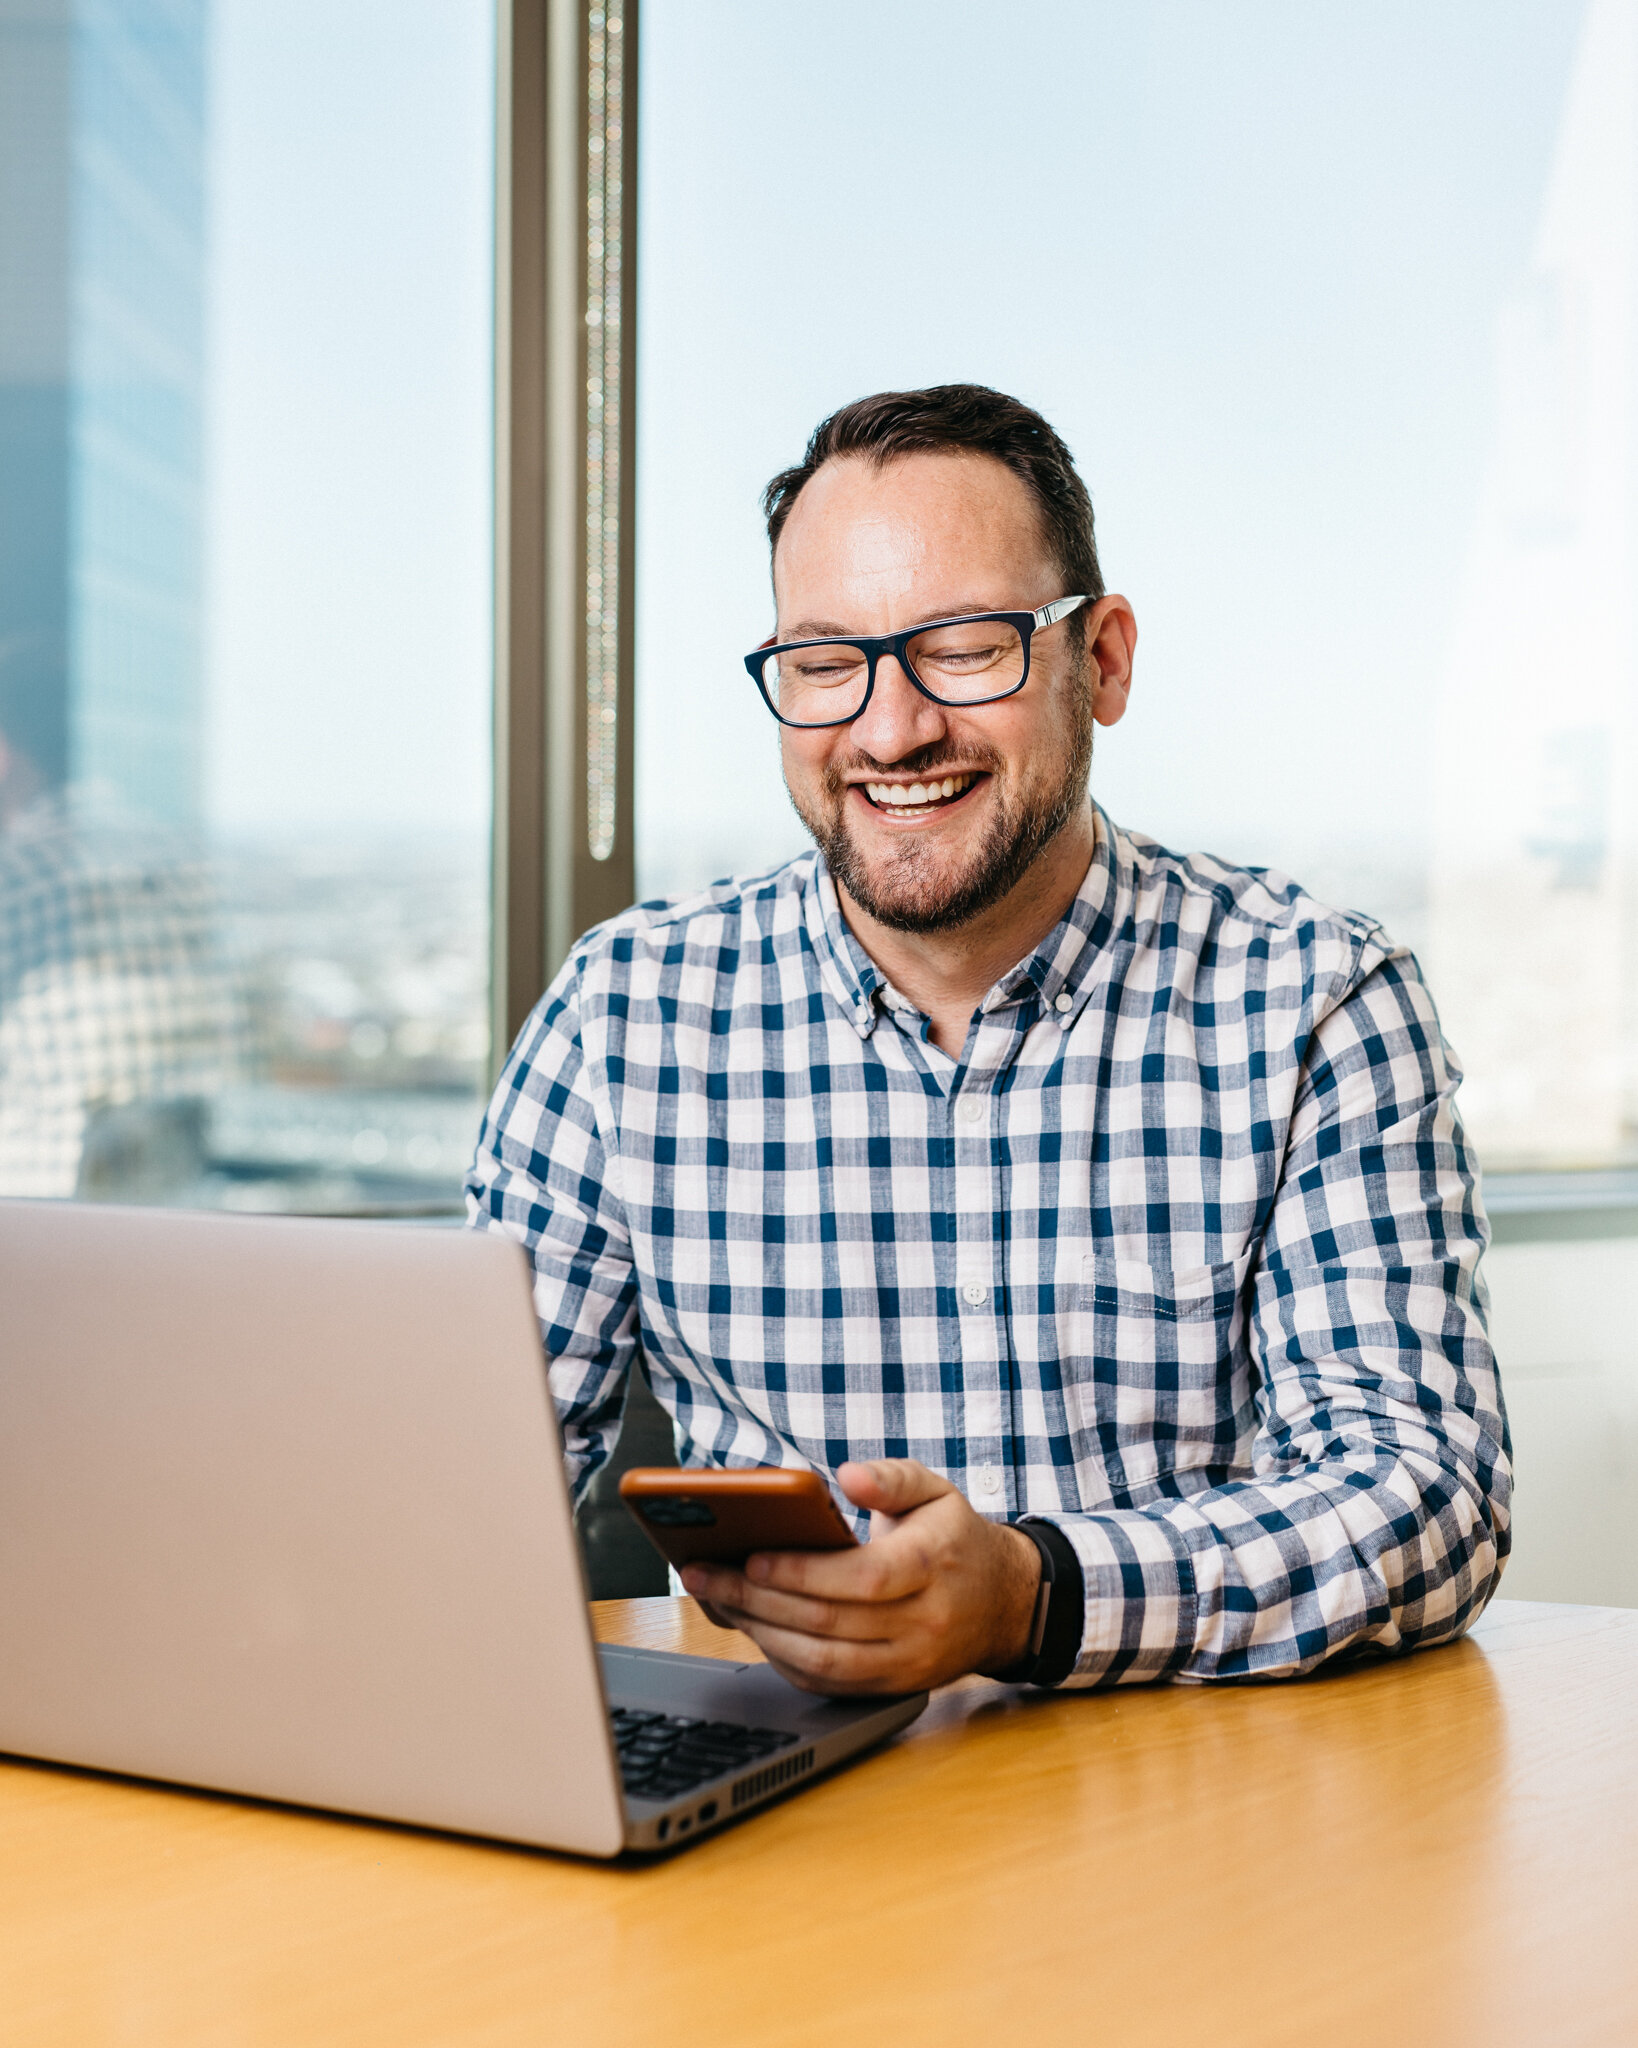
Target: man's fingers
[
  {"x": 888, "y": 1570},
  {"x": 831, "y": 1664},
  {"x": 867, "y": 1619},
  {"x": 857, "y": 1621}
]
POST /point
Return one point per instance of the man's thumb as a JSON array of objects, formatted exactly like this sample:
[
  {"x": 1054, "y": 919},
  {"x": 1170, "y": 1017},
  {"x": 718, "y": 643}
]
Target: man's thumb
[{"x": 890, "y": 1486}]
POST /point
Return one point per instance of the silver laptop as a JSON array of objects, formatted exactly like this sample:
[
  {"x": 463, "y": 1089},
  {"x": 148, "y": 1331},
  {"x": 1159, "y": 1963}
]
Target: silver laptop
[{"x": 283, "y": 1512}]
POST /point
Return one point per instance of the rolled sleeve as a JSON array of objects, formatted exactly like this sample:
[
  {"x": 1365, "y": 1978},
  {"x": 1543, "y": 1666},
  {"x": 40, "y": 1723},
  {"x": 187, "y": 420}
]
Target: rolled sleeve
[{"x": 1139, "y": 1613}]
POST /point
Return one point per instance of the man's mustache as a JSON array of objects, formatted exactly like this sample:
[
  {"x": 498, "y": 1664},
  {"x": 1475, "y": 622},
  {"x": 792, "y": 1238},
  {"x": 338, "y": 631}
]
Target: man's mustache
[{"x": 924, "y": 763}]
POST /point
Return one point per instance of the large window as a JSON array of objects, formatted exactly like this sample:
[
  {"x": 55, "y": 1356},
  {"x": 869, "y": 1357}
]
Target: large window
[
  {"x": 1333, "y": 304},
  {"x": 245, "y": 365}
]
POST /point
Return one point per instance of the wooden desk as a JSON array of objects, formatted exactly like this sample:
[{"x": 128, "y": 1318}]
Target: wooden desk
[{"x": 1442, "y": 1851}]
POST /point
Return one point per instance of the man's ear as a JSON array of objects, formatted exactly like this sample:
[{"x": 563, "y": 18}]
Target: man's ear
[{"x": 1111, "y": 646}]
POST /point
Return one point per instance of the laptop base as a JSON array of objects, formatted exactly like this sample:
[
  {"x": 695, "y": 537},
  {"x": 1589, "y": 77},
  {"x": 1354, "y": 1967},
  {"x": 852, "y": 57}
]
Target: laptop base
[{"x": 817, "y": 1734}]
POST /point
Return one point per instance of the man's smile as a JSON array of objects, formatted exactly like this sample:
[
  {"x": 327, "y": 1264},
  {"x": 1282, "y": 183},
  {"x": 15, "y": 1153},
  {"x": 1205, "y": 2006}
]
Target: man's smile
[{"x": 925, "y": 797}]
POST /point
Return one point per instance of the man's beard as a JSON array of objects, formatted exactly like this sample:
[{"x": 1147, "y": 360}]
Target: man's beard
[{"x": 905, "y": 892}]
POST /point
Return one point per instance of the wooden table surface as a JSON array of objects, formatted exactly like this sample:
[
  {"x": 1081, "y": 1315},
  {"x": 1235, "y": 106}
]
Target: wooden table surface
[{"x": 1440, "y": 1851}]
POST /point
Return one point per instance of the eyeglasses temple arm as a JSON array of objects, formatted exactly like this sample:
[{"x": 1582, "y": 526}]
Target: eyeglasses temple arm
[{"x": 1050, "y": 614}]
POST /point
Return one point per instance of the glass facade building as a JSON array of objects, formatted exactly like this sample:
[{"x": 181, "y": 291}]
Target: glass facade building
[
  {"x": 102, "y": 296},
  {"x": 245, "y": 283}
]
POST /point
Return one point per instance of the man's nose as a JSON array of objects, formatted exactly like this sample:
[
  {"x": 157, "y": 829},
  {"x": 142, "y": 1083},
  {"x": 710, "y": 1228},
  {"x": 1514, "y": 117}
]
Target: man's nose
[{"x": 898, "y": 719}]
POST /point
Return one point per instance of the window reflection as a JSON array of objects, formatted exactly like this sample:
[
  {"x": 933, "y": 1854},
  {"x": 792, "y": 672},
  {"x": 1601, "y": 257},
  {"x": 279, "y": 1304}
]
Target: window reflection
[
  {"x": 1341, "y": 331},
  {"x": 118, "y": 1017},
  {"x": 243, "y": 897},
  {"x": 1533, "y": 920}
]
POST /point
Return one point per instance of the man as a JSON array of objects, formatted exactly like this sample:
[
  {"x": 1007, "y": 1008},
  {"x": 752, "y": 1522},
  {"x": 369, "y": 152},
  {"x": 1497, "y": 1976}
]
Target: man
[{"x": 1097, "y": 1220}]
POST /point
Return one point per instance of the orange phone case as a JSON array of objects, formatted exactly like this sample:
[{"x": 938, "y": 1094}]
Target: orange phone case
[{"x": 721, "y": 1517}]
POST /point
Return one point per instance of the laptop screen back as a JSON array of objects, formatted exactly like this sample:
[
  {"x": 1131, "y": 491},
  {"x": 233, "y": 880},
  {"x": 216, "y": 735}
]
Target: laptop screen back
[{"x": 282, "y": 1511}]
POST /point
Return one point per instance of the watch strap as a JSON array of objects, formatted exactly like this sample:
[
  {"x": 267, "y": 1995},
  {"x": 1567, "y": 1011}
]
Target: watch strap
[
  {"x": 1022, "y": 1670},
  {"x": 1060, "y": 1608}
]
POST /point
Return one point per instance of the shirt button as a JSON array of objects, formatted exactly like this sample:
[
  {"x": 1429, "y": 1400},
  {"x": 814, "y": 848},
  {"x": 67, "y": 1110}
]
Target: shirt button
[
  {"x": 975, "y": 1292},
  {"x": 987, "y": 1481},
  {"x": 863, "y": 1013},
  {"x": 1064, "y": 1002},
  {"x": 970, "y": 1109}
]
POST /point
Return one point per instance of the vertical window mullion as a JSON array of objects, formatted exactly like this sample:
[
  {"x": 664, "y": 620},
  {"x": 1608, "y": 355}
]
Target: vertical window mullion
[{"x": 565, "y": 418}]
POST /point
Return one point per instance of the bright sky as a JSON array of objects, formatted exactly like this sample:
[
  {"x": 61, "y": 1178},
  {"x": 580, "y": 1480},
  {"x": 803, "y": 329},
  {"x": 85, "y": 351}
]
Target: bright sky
[
  {"x": 1249, "y": 259},
  {"x": 349, "y": 424}
]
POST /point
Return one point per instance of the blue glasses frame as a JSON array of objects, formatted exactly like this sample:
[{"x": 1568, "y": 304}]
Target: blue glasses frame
[{"x": 874, "y": 646}]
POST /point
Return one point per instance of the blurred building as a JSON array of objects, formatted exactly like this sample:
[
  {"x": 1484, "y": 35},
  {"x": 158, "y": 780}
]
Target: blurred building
[
  {"x": 1533, "y": 900},
  {"x": 116, "y": 1019},
  {"x": 102, "y": 254}
]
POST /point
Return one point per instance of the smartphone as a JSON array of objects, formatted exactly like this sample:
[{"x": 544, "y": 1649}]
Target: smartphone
[{"x": 721, "y": 1517}]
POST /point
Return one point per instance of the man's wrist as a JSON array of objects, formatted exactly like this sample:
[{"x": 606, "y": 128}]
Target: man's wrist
[
  {"x": 1020, "y": 1602},
  {"x": 1060, "y": 1614}
]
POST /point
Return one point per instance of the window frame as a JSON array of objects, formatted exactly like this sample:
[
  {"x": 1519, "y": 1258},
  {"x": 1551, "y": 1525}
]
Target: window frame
[
  {"x": 565, "y": 249},
  {"x": 548, "y": 886}
]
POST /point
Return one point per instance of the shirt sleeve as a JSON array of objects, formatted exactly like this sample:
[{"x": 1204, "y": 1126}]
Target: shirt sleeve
[
  {"x": 1375, "y": 1517},
  {"x": 541, "y": 1175}
]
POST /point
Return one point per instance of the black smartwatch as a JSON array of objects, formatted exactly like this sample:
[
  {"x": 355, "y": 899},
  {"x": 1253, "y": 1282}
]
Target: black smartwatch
[{"x": 1060, "y": 1608}]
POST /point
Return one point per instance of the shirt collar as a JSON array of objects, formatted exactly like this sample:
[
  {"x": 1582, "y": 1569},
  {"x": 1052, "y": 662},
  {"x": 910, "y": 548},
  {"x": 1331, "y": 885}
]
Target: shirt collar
[
  {"x": 852, "y": 976},
  {"x": 1059, "y": 973}
]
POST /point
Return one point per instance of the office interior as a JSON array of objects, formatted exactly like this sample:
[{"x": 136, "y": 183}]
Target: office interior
[
  {"x": 385, "y": 397},
  {"x": 1342, "y": 388}
]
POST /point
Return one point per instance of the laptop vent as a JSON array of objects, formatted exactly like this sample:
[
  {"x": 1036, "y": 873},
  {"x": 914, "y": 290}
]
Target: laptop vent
[{"x": 781, "y": 1773}]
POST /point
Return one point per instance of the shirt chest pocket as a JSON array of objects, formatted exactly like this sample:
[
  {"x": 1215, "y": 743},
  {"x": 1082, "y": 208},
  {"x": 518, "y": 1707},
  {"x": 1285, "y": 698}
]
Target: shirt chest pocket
[{"x": 1153, "y": 1368}]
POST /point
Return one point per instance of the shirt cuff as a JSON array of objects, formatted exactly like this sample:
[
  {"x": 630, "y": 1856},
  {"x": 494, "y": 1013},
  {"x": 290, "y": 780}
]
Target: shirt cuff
[{"x": 1139, "y": 1602}]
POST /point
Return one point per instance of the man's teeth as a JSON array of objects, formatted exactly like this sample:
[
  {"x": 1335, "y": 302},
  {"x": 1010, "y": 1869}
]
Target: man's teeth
[{"x": 906, "y": 796}]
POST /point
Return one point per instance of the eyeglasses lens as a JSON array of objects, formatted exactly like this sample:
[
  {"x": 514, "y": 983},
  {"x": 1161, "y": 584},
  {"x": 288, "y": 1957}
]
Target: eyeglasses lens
[
  {"x": 965, "y": 663},
  {"x": 968, "y": 662},
  {"x": 816, "y": 685}
]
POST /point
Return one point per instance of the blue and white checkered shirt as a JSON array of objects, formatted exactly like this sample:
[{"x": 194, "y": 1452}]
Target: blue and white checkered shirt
[{"x": 1181, "y": 1253}]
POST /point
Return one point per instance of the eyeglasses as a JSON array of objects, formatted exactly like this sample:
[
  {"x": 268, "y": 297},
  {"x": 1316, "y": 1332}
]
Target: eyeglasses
[{"x": 978, "y": 659}]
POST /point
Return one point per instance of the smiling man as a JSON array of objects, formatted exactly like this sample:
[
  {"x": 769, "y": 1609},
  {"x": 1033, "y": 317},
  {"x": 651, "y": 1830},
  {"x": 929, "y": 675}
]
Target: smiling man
[{"x": 1096, "y": 1219}]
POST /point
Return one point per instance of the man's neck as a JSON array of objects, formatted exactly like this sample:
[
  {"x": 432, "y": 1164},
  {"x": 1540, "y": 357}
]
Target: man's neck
[{"x": 948, "y": 974}]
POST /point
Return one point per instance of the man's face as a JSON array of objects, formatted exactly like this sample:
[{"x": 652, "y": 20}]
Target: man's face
[{"x": 870, "y": 550}]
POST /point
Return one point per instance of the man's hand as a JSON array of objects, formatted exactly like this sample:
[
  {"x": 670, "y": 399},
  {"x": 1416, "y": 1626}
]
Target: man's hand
[{"x": 936, "y": 1592}]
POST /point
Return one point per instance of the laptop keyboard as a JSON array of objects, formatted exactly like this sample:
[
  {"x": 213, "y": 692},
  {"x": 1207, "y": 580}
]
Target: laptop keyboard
[{"x": 665, "y": 1755}]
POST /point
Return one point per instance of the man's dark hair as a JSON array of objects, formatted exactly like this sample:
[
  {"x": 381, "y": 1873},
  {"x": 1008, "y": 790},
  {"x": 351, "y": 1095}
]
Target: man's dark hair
[{"x": 959, "y": 416}]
